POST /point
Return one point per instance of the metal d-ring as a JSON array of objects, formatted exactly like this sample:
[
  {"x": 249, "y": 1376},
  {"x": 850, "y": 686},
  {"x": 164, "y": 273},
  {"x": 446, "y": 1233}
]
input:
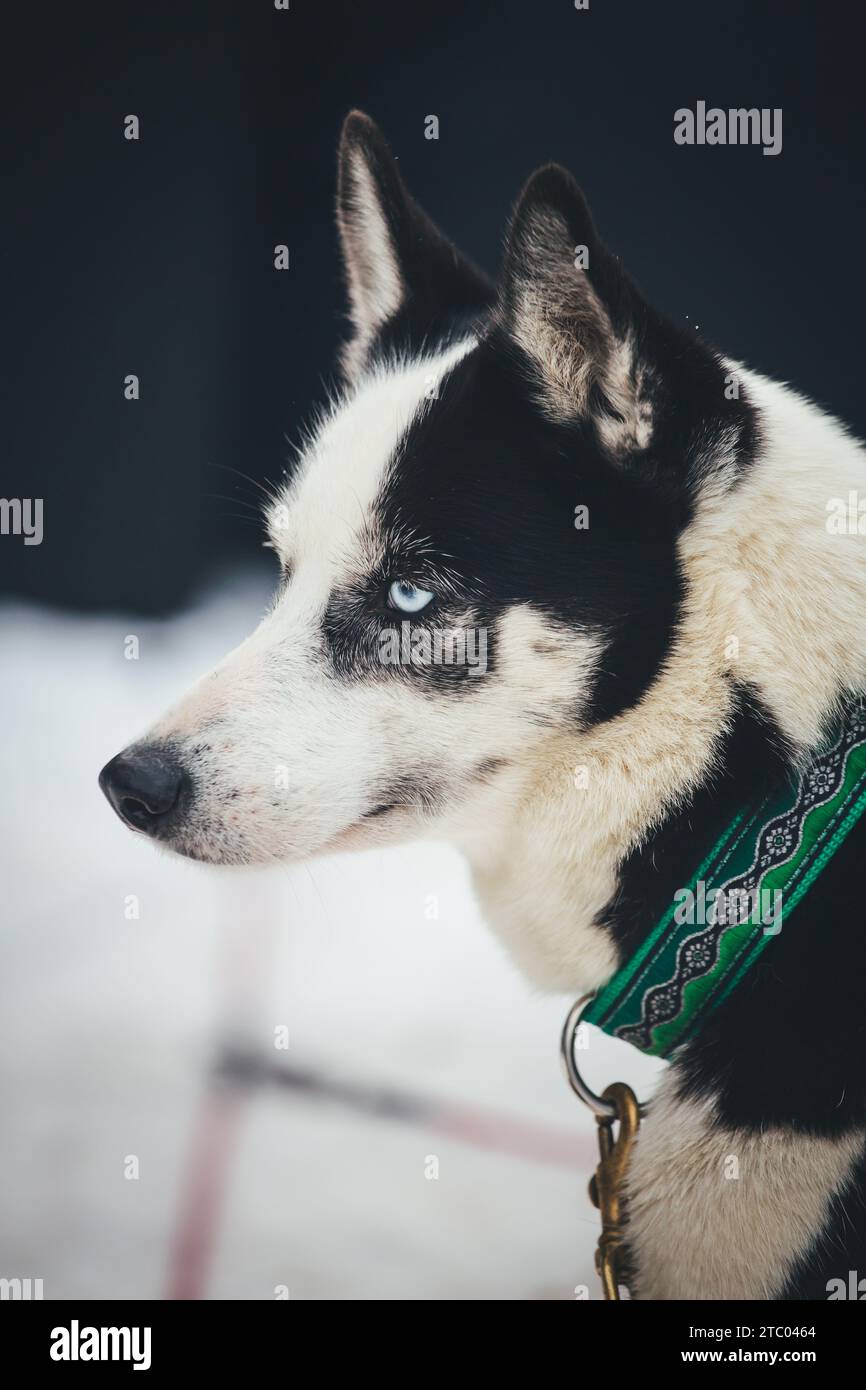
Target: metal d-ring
[{"x": 569, "y": 1032}]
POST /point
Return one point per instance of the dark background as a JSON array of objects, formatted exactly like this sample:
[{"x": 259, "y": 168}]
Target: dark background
[{"x": 156, "y": 257}]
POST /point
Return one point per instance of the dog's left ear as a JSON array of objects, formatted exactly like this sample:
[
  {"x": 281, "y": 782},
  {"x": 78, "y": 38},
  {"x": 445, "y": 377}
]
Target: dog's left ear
[
  {"x": 400, "y": 269},
  {"x": 576, "y": 315}
]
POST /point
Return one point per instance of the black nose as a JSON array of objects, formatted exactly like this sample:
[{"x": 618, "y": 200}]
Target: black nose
[{"x": 144, "y": 787}]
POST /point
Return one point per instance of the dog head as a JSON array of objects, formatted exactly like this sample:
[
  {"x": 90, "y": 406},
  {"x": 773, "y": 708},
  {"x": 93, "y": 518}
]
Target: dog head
[{"x": 477, "y": 545}]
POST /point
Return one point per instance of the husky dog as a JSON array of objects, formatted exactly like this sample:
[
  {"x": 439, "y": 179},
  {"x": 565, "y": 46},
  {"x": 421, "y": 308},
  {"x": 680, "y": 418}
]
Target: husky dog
[{"x": 638, "y": 527}]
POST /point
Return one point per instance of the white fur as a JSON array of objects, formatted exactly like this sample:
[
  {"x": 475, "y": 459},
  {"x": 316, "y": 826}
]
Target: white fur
[
  {"x": 790, "y": 590},
  {"x": 718, "y": 1213}
]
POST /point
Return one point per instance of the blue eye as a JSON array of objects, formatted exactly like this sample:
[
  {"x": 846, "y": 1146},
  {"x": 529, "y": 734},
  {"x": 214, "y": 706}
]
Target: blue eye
[{"x": 408, "y": 597}]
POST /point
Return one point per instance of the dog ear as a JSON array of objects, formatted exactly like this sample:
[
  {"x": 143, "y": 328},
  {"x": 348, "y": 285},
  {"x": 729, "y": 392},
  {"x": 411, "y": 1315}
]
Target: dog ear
[
  {"x": 573, "y": 311},
  {"x": 400, "y": 269}
]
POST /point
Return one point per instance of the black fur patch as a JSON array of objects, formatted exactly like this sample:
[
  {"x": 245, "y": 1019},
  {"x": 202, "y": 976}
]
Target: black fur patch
[
  {"x": 488, "y": 485},
  {"x": 838, "y": 1251},
  {"x": 479, "y": 506},
  {"x": 752, "y": 759}
]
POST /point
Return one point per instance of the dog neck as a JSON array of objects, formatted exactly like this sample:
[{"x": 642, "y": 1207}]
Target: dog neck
[
  {"x": 773, "y": 605},
  {"x": 568, "y": 851}
]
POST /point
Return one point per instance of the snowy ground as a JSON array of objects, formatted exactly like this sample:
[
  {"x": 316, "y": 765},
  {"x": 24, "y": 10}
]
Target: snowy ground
[{"x": 108, "y": 1024}]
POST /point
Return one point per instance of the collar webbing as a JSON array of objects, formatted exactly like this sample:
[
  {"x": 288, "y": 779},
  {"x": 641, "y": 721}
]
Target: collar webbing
[{"x": 760, "y": 868}]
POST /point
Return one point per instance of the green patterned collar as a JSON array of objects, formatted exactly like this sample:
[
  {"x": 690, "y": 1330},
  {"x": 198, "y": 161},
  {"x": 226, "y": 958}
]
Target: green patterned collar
[{"x": 755, "y": 875}]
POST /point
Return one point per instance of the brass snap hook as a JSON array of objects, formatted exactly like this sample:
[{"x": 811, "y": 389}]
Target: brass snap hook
[
  {"x": 617, "y": 1105},
  {"x": 606, "y": 1184}
]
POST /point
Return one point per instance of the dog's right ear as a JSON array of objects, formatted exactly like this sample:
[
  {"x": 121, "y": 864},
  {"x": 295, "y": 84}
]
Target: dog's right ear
[
  {"x": 401, "y": 271},
  {"x": 581, "y": 323}
]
